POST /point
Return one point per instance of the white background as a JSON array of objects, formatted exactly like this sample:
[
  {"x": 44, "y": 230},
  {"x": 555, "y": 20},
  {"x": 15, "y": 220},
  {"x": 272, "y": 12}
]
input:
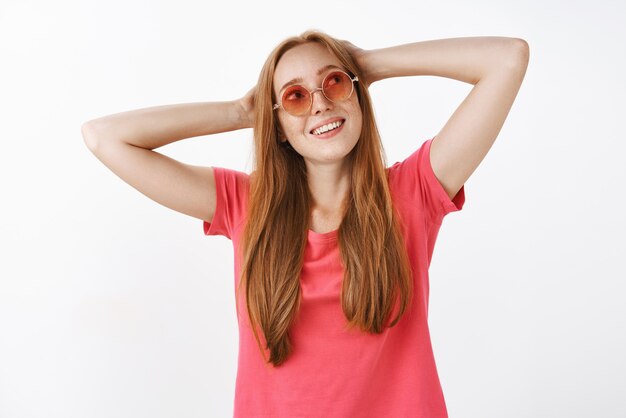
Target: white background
[{"x": 114, "y": 306}]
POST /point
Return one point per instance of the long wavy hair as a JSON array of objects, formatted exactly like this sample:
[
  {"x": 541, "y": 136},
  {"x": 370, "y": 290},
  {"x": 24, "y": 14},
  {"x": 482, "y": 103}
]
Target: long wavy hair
[{"x": 377, "y": 273}]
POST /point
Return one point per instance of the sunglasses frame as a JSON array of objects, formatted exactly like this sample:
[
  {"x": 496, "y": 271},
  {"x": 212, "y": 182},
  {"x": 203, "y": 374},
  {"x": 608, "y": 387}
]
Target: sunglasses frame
[{"x": 311, "y": 93}]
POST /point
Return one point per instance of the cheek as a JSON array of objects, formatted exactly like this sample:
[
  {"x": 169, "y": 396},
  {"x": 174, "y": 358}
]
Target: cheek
[
  {"x": 290, "y": 128},
  {"x": 358, "y": 116},
  {"x": 284, "y": 126},
  {"x": 356, "y": 109}
]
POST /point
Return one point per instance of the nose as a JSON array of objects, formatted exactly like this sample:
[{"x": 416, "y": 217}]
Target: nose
[{"x": 319, "y": 102}]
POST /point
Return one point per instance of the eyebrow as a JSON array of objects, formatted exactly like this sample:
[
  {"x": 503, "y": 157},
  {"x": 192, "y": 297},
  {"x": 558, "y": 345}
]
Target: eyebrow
[{"x": 300, "y": 79}]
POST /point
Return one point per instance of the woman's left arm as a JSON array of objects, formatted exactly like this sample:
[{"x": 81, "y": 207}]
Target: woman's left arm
[{"x": 494, "y": 65}]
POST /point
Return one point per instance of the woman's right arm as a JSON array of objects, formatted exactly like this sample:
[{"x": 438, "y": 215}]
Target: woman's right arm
[{"x": 124, "y": 142}]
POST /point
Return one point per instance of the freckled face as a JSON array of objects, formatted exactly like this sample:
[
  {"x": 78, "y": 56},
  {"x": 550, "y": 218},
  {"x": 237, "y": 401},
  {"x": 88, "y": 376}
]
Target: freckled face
[{"x": 305, "y": 61}]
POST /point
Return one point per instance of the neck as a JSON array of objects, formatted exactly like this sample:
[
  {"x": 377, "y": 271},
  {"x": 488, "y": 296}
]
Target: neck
[{"x": 329, "y": 186}]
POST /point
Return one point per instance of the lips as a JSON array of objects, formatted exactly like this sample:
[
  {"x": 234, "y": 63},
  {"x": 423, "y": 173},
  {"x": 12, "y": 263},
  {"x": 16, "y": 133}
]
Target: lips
[{"x": 326, "y": 122}]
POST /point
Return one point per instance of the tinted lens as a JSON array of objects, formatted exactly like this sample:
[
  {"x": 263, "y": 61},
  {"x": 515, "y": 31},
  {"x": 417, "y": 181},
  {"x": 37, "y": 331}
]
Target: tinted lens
[
  {"x": 337, "y": 86},
  {"x": 296, "y": 100}
]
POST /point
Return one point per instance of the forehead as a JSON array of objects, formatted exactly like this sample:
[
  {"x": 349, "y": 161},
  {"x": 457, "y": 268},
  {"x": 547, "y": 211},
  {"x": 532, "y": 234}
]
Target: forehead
[{"x": 303, "y": 61}]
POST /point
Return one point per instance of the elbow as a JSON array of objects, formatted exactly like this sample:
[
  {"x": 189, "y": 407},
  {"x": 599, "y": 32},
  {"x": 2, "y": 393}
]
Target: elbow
[
  {"x": 97, "y": 131},
  {"x": 521, "y": 51},
  {"x": 516, "y": 56},
  {"x": 88, "y": 132}
]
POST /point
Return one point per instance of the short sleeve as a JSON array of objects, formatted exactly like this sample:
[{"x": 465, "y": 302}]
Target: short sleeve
[
  {"x": 231, "y": 188},
  {"x": 415, "y": 179}
]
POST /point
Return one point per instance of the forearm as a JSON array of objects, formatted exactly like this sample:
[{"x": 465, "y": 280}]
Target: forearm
[
  {"x": 154, "y": 127},
  {"x": 465, "y": 59}
]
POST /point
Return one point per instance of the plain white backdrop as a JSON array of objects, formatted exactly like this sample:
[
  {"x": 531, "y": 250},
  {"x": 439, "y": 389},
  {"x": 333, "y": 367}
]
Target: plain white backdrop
[{"x": 114, "y": 306}]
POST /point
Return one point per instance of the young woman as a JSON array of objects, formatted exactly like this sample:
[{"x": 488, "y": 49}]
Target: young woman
[{"x": 332, "y": 247}]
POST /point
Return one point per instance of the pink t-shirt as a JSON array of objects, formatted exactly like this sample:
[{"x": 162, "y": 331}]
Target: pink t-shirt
[{"x": 332, "y": 372}]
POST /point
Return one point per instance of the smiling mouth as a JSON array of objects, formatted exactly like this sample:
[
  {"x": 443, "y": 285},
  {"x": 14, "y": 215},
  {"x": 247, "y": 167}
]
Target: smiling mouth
[{"x": 327, "y": 128}]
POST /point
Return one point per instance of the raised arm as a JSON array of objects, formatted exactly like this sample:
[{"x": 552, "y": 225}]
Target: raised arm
[
  {"x": 124, "y": 142},
  {"x": 496, "y": 66}
]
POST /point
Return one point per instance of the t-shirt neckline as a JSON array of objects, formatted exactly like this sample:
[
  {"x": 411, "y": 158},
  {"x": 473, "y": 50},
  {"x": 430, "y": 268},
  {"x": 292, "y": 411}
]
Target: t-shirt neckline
[{"x": 322, "y": 237}]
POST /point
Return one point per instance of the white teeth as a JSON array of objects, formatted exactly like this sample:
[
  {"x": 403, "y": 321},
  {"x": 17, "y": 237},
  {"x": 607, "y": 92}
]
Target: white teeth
[{"x": 328, "y": 127}]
